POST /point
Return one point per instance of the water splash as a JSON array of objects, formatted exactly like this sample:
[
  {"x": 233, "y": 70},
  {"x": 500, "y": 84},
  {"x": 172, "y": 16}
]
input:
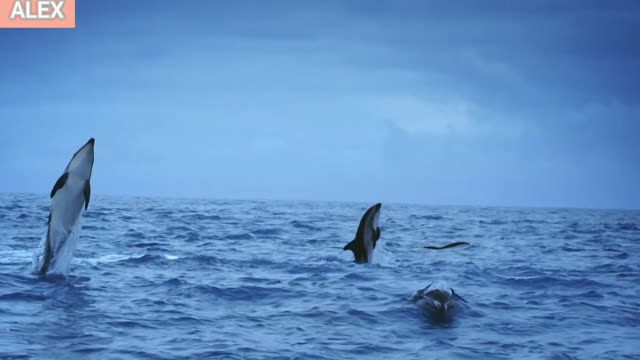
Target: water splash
[{"x": 63, "y": 255}]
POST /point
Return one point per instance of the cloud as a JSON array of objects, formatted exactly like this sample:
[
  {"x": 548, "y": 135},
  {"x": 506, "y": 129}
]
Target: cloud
[
  {"x": 416, "y": 115},
  {"x": 437, "y": 101}
]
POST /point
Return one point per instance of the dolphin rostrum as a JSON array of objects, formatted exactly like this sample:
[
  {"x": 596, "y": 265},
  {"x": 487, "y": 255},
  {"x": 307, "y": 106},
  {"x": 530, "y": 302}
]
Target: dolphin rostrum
[
  {"x": 69, "y": 195},
  {"x": 367, "y": 235}
]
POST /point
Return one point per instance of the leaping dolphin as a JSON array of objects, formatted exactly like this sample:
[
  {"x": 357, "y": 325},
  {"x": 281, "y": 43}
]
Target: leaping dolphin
[
  {"x": 70, "y": 193},
  {"x": 367, "y": 235}
]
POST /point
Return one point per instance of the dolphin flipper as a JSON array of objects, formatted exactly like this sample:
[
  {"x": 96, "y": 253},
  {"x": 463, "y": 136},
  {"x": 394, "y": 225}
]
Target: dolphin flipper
[
  {"x": 59, "y": 184},
  {"x": 376, "y": 237},
  {"x": 87, "y": 193}
]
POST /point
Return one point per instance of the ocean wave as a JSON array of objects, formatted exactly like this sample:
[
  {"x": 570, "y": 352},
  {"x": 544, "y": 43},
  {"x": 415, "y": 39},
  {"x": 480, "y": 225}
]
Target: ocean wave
[
  {"x": 241, "y": 236},
  {"x": 156, "y": 278},
  {"x": 267, "y": 232},
  {"x": 245, "y": 293},
  {"x": 493, "y": 222},
  {"x": 628, "y": 227},
  {"x": 303, "y": 225},
  {"x": 22, "y": 296},
  {"x": 200, "y": 218},
  {"x": 426, "y": 217}
]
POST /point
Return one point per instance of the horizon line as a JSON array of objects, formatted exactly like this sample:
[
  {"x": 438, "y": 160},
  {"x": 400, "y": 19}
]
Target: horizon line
[{"x": 404, "y": 203}]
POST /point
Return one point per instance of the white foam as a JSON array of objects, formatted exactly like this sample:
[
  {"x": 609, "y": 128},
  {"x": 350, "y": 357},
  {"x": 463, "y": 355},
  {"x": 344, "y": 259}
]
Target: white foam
[
  {"x": 440, "y": 284},
  {"x": 111, "y": 258},
  {"x": 61, "y": 262},
  {"x": 15, "y": 256}
]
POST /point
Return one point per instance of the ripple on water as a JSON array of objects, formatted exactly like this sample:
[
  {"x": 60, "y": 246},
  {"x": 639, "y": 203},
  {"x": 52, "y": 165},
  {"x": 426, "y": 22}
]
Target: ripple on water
[
  {"x": 304, "y": 225},
  {"x": 241, "y": 236}
]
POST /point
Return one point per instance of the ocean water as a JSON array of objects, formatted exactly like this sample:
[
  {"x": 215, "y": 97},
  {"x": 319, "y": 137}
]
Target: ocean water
[{"x": 166, "y": 278}]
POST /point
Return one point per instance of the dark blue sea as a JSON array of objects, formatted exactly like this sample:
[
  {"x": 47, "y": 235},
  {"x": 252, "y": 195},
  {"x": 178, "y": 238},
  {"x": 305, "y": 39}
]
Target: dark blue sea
[{"x": 160, "y": 278}]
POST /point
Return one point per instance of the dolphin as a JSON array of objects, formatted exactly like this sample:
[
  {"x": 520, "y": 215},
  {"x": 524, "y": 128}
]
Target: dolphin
[
  {"x": 453, "y": 244},
  {"x": 69, "y": 195},
  {"x": 367, "y": 235},
  {"x": 437, "y": 301}
]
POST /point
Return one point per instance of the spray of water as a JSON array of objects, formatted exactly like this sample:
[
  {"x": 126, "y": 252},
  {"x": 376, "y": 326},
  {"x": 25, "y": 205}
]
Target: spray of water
[{"x": 63, "y": 254}]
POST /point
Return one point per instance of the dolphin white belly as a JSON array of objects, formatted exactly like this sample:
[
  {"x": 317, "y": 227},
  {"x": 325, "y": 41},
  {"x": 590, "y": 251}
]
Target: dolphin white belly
[{"x": 66, "y": 207}]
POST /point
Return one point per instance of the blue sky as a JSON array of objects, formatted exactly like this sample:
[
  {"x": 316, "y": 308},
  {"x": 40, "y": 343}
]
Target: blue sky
[{"x": 439, "y": 102}]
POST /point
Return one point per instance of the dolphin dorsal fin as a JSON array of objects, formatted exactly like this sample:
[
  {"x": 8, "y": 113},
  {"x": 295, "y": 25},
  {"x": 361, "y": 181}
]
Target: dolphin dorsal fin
[
  {"x": 59, "y": 184},
  {"x": 350, "y": 246},
  {"x": 455, "y": 295}
]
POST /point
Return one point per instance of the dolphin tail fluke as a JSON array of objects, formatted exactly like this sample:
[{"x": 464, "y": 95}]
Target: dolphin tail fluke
[{"x": 454, "y": 244}]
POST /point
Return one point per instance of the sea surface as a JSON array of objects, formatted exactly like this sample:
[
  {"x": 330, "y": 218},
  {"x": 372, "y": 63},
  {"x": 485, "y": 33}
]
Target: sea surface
[{"x": 160, "y": 278}]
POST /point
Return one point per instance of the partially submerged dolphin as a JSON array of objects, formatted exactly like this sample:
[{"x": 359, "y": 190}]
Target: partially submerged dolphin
[
  {"x": 367, "y": 235},
  {"x": 69, "y": 195},
  {"x": 437, "y": 301}
]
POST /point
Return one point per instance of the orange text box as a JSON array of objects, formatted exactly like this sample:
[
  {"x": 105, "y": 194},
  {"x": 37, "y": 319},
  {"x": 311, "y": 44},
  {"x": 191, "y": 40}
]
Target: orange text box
[{"x": 37, "y": 13}]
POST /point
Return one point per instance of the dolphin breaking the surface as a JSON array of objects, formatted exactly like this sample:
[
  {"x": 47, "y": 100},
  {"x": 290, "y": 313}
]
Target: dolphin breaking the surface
[
  {"x": 367, "y": 235},
  {"x": 69, "y": 195}
]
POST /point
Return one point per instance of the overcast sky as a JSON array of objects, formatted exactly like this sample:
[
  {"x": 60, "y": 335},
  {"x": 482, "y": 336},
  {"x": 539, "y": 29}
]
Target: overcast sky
[{"x": 520, "y": 103}]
